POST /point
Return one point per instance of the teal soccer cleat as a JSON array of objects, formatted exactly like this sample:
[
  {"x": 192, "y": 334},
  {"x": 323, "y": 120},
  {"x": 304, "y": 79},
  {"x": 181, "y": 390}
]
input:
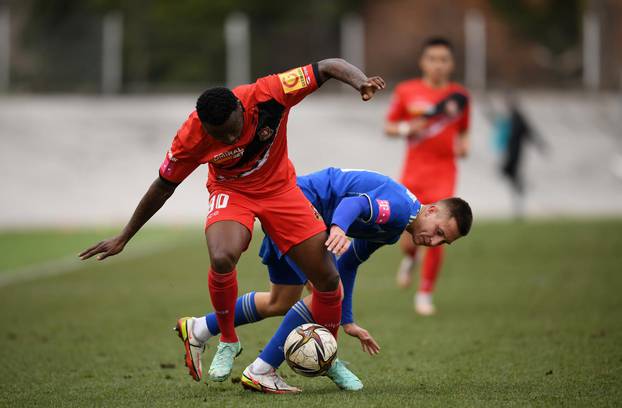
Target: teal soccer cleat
[
  {"x": 344, "y": 378},
  {"x": 223, "y": 360}
]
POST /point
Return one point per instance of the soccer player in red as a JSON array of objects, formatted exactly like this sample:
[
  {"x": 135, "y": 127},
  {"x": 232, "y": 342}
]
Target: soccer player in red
[
  {"x": 242, "y": 135},
  {"x": 432, "y": 114}
]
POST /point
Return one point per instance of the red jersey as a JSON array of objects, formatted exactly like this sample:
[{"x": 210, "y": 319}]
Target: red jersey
[
  {"x": 431, "y": 155},
  {"x": 258, "y": 161}
]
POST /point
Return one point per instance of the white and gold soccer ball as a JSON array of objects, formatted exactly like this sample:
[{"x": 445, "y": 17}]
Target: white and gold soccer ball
[{"x": 310, "y": 349}]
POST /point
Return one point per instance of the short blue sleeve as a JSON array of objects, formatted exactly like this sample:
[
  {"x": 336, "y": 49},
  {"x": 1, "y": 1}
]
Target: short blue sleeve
[
  {"x": 349, "y": 209},
  {"x": 381, "y": 201}
]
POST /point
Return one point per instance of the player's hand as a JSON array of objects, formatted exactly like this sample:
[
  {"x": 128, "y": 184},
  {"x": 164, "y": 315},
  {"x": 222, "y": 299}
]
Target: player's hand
[
  {"x": 371, "y": 86},
  {"x": 105, "y": 249},
  {"x": 452, "y": 109},
  {"x": 368, "y": 343},
  {"x": 462, "y": 147},
  {"x": 337, "y": 241},
  {"x": 417, "y": 125}
]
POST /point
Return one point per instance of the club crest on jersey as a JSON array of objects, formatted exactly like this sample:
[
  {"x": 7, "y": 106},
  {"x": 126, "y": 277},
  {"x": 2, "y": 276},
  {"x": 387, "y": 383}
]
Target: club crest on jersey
[
  {"x": 293, "y": 80},
  {"x": 316, "y": 212},
  {"x": 228, "y": 155},
  {"x": 265, "y": 133},
  {"x": 384, "y": 211}
]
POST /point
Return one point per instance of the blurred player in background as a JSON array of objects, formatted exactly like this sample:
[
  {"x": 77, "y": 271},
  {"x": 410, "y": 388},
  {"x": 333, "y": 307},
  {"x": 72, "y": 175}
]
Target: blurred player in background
[
  {"x": 432, "y": 114},
  {"x": 367, "y": 206},
  {"x": 242, "y": 134},
  {"x": 512, "y": 132}
]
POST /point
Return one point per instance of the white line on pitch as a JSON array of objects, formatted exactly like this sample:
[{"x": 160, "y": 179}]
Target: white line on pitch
[{"x": 73, "y": 263}]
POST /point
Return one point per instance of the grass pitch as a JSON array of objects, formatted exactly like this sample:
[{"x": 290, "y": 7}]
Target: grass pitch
[{"x": 530, "y": 314}]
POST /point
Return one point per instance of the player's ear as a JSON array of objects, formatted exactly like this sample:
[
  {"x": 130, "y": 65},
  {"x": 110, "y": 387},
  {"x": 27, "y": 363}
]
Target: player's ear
[{"x": 432, "y": 209}]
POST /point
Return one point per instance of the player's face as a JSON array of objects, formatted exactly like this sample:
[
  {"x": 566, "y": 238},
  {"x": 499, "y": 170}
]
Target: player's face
[
  {"x": 230, "y": 131},
  {"x": 435, "y": 228},
  {"x": 437, "y": 63}
]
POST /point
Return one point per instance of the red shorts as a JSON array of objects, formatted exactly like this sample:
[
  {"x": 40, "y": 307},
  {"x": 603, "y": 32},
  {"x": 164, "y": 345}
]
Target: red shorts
[{"x": 287, "y": 217}]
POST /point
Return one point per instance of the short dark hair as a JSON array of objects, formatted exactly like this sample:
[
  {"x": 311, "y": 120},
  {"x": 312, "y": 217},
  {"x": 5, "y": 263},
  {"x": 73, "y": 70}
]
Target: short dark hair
[
  {"x": 437, "y": 41},
  {"x": 215, "y": 105},
  {"x": 460, "y": 210}
]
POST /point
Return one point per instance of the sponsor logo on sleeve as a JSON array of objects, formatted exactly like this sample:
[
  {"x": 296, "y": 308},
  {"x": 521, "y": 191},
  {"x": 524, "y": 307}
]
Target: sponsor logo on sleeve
[
  {"x": 166, "y": 169},
  {"x": 384, "y": 211},
  {"x": 171, "y": 157},
  {"x": 293, "y": 80}
]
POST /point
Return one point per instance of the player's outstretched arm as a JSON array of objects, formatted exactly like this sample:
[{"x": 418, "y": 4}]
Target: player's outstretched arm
[
  {"x": 405, "y": 129},
  {"x": 347, "y": 265},
  {"x": 347, "y": 73},
  {"x": 152, "y": 201}
]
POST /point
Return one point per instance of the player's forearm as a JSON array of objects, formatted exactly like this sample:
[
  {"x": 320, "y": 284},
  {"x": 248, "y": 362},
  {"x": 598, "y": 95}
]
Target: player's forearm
[
  {"x": 152, "y": 201},
  {"x": 343, "y": 71},
  {"x": 397, "y": 129},
  {"x": 347, "y": 265},
  {"x": 464, "y": 145}
]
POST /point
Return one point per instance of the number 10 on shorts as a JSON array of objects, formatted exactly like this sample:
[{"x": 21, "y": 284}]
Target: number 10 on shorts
[{"x": 218, "y": 201}]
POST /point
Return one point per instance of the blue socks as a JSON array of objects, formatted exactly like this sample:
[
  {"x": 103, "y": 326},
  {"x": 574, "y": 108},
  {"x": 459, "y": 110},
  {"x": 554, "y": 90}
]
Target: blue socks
[
  {"x": 245, "y": 312},
  {"x": 273, "y": 353}
]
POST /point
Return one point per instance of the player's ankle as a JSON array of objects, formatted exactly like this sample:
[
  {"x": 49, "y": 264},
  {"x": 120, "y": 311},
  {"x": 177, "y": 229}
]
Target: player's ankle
[
  {"x": 424, "y": 296},
  {"x": 200, "y": 331},
  {"x": 260, "y": 367}
]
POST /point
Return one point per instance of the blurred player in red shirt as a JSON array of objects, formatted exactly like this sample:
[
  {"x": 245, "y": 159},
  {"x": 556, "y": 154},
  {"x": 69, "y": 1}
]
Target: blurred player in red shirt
[
  {"x": 242, "y": 135},
  {"x": 432, "y": 114}
]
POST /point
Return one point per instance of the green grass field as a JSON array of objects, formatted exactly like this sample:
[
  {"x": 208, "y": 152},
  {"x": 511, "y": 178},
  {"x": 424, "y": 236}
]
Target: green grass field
[{"x": 530, "y": 314}]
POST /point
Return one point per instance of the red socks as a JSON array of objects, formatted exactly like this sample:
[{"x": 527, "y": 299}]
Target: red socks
[
  {"x": 223, "y": 291},
  {"x": 429, "y": 270},
  {"x": 326, "y": 308}
]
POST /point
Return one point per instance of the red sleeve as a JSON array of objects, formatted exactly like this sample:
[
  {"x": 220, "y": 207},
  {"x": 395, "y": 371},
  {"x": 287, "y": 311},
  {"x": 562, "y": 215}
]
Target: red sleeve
[
  {"x": 397, "y": 109},
  {"x": 180, "y": 160},
  {"x": 290, "y": 87}
]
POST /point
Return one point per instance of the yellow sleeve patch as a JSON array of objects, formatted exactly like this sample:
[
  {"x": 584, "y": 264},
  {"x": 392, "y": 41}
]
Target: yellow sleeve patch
[{"x": 293, "y": 80}]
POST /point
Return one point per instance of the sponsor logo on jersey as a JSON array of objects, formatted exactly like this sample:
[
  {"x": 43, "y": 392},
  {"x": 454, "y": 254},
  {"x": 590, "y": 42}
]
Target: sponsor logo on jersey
[
  {"x": 418, "y": 107},
  {"x": 384, "y": 211},
  {"x": 293, "y": 80},
  {"x": 228, "y": 155}
]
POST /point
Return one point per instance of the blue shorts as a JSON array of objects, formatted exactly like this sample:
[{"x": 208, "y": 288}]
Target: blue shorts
[{"x": 281, "y": 269}]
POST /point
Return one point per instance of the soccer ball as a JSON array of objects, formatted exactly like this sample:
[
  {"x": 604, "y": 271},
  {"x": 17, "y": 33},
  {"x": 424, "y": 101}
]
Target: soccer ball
[{"x": 310, "y": 349}]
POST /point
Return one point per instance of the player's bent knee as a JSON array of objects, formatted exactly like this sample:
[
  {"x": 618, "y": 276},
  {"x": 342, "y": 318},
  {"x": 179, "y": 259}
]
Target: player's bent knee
[
  {"x": 282, "y": 306},
  {"x": 327, "y": 283},
  {"x": 278, "y": 308},
  {"x": 223, "y": 261}
]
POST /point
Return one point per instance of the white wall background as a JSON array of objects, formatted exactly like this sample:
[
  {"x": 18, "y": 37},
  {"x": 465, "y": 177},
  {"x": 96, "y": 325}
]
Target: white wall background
[{"x": 88, "y": 160}]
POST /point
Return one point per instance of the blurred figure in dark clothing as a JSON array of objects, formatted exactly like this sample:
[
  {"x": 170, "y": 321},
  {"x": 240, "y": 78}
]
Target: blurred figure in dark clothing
[{"x": 512, "y": 132}]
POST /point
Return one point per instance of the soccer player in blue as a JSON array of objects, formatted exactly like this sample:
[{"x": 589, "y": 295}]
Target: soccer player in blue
[{"x": 369, "y": 207}]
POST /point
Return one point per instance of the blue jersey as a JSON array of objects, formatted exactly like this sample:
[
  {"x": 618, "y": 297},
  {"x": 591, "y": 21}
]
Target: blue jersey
[
  {"x": 370, "y": 207},
  {"x": 391, "y": 206}
]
